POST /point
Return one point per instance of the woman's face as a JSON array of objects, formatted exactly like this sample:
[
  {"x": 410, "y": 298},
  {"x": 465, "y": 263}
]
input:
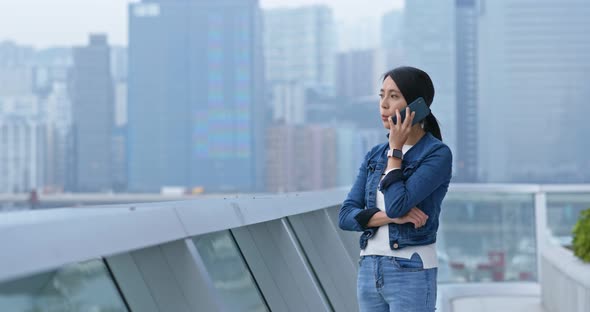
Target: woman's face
[{"x": 391, "y": 99}]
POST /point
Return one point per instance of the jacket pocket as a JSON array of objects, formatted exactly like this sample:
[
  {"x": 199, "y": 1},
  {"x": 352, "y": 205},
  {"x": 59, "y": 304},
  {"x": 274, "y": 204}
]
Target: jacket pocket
[{"x": 374, "y": 170}]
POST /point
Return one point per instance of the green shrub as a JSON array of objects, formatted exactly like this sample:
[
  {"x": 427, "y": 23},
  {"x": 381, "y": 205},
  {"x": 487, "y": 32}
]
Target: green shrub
[{"x": 581, "y": 241}]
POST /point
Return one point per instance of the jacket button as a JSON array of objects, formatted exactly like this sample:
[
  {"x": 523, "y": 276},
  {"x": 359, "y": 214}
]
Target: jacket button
[{"x": 395, "y": 245}]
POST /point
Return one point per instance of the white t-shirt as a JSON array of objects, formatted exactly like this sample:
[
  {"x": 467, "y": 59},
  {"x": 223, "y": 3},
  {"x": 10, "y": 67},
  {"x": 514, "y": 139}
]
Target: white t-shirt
[{"x": 379, "y": 243}]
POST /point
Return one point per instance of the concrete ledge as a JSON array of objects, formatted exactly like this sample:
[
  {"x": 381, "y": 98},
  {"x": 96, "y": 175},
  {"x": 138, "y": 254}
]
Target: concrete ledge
[
  {"x": 498, "y": 303},
  {"x": 466, "y": 297},
  {"x": 565, "y": 283}
]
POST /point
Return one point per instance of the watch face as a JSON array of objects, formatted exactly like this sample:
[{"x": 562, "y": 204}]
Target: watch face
[{"x": 395, "y": 153}]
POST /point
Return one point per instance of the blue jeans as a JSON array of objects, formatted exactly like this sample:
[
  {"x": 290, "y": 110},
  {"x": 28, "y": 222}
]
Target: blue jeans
[{"x": 393, "y": 284}]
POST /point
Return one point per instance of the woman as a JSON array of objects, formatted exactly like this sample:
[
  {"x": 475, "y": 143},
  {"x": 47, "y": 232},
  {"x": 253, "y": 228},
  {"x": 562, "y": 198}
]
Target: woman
[{"x": 396, "y": 200}]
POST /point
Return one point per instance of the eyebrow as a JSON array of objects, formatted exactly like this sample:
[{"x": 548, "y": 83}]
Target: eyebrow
[{"x": 390, "y": 90}]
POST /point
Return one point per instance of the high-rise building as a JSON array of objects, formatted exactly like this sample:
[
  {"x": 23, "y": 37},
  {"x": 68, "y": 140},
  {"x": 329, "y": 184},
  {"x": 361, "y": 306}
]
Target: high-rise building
[
  {"x": 429, "y": 43},
  {"x": 358, "y": 73},
  {"x": 58, "y": 158},
  {"x": 195, "y": 96},
  {"x": 533, "y": 89},
  {"x": 299, "y": 55},
  {"x": 119, "y": 156},
  {"x": 57, "y": 106},
  {"x": 25, "y": 132},
  {"x": 50, "y": 65},
  {"x": 362, "y": 112},
  {"x": 316, "y": 157},
  {"x": 362, "y": 33},
  {"x": 92, "y": 116},
  {"x": 50, "y": 79},
  {"x": 119, "y": 159},
  {"x": 281, "y": 158},
  {"x": 467, "y": 15},
  {"x": 288, "y": 100},
  {"x": 13, "y": 55},
  {"x": 352, "y": 145},
  {"x": 440, "y": 37},
  {"x": 22, "y": 142},
  {"x": 119, "y": 63},
  {"x": 301, "y": 158},
  {"x": 16, "y": 80},
  {"x": 299, "y": 45},
  {"x": 392, "y": 25}
]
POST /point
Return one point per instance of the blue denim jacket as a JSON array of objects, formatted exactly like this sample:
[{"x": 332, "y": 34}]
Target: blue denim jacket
[{"x": 423, "y": 182}]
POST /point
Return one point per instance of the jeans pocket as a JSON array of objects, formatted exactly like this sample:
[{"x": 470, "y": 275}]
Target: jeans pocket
[{"x": 409, "y": 265}]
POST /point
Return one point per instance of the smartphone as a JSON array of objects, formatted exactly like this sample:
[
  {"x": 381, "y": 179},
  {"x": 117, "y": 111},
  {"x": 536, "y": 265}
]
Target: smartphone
[{"x": 419, "y": 106}]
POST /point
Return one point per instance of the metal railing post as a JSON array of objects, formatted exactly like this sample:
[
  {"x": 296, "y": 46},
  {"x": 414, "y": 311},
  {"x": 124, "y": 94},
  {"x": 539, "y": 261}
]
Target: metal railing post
[{"x": 541, "y": 227}]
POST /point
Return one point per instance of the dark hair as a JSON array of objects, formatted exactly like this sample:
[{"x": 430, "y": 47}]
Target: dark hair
[{"x": 414, "y": 83}]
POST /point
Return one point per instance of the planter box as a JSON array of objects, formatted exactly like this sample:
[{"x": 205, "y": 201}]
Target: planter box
[{"x": 565, "y": 281}]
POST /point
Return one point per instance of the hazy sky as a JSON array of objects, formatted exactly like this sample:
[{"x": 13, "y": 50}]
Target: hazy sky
[{"x": 43, "y": 23}]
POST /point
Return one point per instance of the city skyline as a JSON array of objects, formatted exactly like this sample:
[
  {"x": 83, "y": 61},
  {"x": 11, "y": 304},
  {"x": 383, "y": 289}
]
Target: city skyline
[
  {"x": 195, "y": 90},
  {"x": 54, "y": 20}
]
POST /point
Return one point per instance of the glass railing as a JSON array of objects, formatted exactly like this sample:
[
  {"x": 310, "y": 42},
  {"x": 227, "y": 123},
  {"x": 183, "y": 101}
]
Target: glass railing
[
  {"x": 86, "y": 286},
  {"x": 563, "y": 210},
  {"x": 229, "y": 272},
  {"x": 487, "y": 237},
  {"x": 277, "y": 252}
]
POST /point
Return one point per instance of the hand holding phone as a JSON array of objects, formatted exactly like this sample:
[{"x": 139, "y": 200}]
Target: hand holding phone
[
  {"x": 419, "y": 106},
  {"x": 399, "y": 131}
]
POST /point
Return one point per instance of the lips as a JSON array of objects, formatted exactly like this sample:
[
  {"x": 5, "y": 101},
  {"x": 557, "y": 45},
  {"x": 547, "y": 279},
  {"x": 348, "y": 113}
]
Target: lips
[{"x": 384, "y": 118}]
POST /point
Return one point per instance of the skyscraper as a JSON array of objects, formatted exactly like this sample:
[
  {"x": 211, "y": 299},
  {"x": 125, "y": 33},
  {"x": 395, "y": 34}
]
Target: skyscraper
[
  {"x": 195, "y": 110},
  {"x": 429, "y": 44},
  {"x": 51, "y": 68},
  {"x": 533, "y": 91},
  {"x": 23, "y": 142},
  {"x": 301, "y": 158},
  {"x": 13, "y": 55},
  {"x": 23, "y": 129},
  {"x": 300, "y": 45},
  {"x": 288, "y": 100},
  {"x": 119, "y": 156},
  {"x": 299, "y": 54},
  {"x": 58, "y": 113},
  {"x": 119, "y": 63},
  {"x": 467, "y": 14},
  {"x": 16, "y": 80},
  {"x": 357, "y": 73},
  {"x": 392, "y": 26},
  {"x": 361, "y": 33},
  {"x": 92, "y": 107}
]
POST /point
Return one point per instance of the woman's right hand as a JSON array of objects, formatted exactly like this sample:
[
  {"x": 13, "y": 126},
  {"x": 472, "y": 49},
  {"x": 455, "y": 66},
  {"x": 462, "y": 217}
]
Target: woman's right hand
[
  {"x": 415, "y": 216},
  {"x": 400, "y": 131}
]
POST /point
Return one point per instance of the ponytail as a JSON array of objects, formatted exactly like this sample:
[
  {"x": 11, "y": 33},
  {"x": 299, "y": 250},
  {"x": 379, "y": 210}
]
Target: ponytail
[{"x": 431, "y": 125}]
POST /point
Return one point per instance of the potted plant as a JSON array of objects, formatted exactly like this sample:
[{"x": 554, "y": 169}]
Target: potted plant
[{"x": 581, "y": 236}]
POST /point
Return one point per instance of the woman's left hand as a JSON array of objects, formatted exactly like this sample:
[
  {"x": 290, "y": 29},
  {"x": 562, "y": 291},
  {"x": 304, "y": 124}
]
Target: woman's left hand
[
  {"x": 415, "y": 215},
  {"x": 399, "y": 132}
]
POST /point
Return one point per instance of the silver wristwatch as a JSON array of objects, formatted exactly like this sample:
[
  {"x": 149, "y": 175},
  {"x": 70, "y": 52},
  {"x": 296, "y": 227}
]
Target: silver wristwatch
[{"x": 395, "y": 153}]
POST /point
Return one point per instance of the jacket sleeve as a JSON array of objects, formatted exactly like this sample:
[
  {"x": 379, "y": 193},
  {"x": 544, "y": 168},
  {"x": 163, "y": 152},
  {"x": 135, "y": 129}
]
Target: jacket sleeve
[
  {"x": 355, "y": 201},
  {"x": 404, "y": 194}
]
